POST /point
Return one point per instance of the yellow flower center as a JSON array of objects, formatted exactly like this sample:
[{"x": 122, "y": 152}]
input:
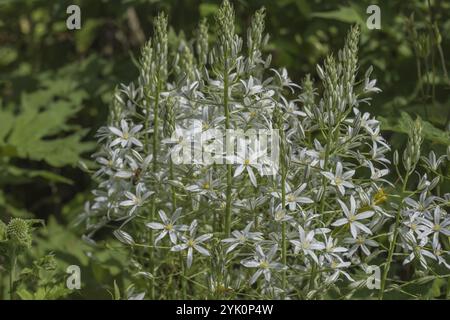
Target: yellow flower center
[
  {"x": 380, "y": 197},
  {"x": 290, "y": 198},
  {"x": 279, "y": 215},
  {"x": 360, "y": 240}
]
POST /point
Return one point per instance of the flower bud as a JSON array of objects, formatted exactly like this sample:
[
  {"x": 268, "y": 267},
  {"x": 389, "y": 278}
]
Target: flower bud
[{"x": 18, "y": 231}]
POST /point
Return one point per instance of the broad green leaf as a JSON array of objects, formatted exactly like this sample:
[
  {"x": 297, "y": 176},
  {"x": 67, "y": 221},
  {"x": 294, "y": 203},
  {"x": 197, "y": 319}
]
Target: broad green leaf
[
  {"x": 402, "y": 125},
  {"x": 40, "y": 131}
]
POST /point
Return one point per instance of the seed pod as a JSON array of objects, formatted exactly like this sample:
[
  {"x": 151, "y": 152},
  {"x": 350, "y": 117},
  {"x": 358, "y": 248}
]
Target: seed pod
[{"x": 19, "y": 232}]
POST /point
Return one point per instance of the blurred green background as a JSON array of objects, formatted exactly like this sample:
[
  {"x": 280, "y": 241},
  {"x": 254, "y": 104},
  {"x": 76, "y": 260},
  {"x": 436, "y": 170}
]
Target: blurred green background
[{"x": 55, "y": 86}]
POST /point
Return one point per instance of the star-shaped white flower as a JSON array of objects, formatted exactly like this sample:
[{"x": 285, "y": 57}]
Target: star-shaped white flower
[
  {"x": 340, "y": 179},
  {"x": 352, "y": 218},
  {"x": 125, "y": 136}
]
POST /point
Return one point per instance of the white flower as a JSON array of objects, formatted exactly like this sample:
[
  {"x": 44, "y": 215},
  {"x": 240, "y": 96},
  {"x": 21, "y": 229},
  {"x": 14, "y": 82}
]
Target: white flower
[
  {"x": 125, "y": 136},
  {"x": 293, "y": 198},
  {"x": 337, "y": 265},
  {"x": 438, "y": 254},
  {"x": 424, "y": 204},
  {"x": 248, "y": 163},
  {"x": 375, "y": 173},
  {"x": 251, "y": 88},
  {"x": 140, "y": 165},
  {"x": 339, "y": 179},
  {"x": 284, "y": 79},
  {"x": 279, "y": 214},
  {"x": 369, "y": 86},
  {"x": 191, "y": 243},
  {"x": 351, "y": 218},
  {"x": 181, "y": 143},
  {"x": 376, "y": 137},
  {"x": 417, "y": 249},
  {"x": 168, "y": 226},
  {"x": 332, "y": 250},
  {"x": 434, "y": 227},
  {"x": 203, "y": 186},
  {"x": 432, "y": 162},
  {"x": 112, "y": 160},
  {"x": 307, "y": 244},
  {"x": 263, "y": 262},
  {"x": 136, "y": 200},
  {"x": 361, "y": 242},
  {"x": 240, "y": 237},
  {"x": 366, "y": 120},
  {"x": 317, "y": 154},
  {"x": 292, "y": 108}
]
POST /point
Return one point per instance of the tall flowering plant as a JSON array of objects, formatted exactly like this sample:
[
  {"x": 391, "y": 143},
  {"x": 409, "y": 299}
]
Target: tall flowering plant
[{"x": 217, "y": 225}]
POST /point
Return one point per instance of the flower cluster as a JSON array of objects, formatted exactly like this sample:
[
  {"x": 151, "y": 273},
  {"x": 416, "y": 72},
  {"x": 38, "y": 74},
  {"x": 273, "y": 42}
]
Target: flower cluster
[{"x": 321, "y": 220}]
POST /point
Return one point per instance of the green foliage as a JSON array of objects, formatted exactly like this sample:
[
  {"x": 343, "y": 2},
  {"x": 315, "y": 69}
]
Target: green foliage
[
  {"x": 403, "y": 124},
  {"x": 38, "y": 132},
  {"x": 42, "y": 281},
  {"x": 38, "y": 129}
]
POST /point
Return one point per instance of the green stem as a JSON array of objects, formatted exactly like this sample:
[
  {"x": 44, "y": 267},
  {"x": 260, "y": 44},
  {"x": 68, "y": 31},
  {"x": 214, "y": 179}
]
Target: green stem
[
  {"x": 12, "y": 272},
  {"x": 183, "y": 279},
  {"x": 390, "y": 255},
  {"x": 283, "y": 206},
  {"x": 172, "y": 188},
  {"x": 154, "y": 168},
  {"x": 392, "y": 244},
  {"x": 229, "y": 168},
  {"x": 325, "y": 165},
  {"x": 255, "y": 210},
  {"x": 312, "y": 277}
]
